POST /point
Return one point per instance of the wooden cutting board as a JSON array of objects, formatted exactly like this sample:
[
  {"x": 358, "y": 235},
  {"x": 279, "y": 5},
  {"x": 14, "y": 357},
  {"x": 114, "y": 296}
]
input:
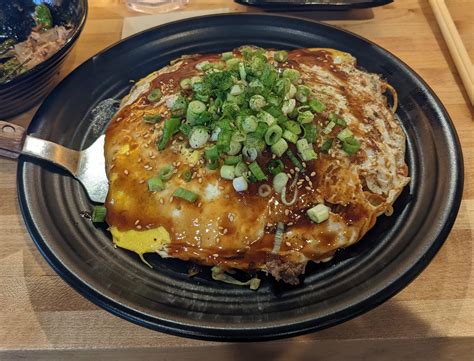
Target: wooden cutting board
[{"x": 42, "y": 318}]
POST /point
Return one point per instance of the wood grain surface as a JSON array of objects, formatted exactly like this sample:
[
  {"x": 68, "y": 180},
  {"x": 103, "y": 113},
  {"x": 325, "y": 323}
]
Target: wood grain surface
[{"x": 42, "y": 318}]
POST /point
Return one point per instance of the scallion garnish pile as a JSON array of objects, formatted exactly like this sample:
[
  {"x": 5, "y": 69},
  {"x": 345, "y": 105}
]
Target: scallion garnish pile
[{"x": 246, "y": 104}]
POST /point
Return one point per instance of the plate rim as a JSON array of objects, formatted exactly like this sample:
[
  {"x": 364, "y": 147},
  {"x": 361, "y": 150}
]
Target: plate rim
[{"x": 226, "y": 334}]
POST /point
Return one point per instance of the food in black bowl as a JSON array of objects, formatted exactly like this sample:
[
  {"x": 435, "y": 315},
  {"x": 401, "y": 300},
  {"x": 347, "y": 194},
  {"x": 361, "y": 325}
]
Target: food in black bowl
[{"x": 35, "y": 38}]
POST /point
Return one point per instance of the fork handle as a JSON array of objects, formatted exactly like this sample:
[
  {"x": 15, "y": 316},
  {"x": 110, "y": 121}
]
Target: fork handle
[
  {"x": 12, "y": 138},
  {"x": 14, "y": 141}
]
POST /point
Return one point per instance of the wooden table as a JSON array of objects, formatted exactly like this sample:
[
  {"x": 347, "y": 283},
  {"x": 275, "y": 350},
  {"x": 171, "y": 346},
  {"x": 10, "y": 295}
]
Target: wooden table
[{"x": 42, "y": 318}]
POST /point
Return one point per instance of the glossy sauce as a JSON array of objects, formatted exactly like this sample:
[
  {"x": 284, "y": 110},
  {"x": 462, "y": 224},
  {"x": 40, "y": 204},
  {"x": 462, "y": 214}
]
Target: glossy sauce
[{"x": 227, "y": 228}]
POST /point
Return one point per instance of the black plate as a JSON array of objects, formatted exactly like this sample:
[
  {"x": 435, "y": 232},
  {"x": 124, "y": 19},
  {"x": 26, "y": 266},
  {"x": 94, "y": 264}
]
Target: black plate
[
  {"x": 396, "y": 250},
  {"x": 301, "y": 5}
]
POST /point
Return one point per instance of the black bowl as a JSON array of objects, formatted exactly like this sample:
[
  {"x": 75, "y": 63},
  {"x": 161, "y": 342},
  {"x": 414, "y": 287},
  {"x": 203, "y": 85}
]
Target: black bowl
[{"x": 16, "y": 21}]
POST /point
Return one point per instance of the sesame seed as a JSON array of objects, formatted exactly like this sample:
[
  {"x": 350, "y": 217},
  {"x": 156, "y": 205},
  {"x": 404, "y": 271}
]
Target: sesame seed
[
  {"x": 125, "y": 172},
  {"x": 307, "y": 178},
  {"x": 171, "y": 199},
  {"x": 215, "y": 255},
  {"x": 138, "y": 227},
  {"x": 297, "y": 169},
  {"x": 292, "y": 171},
  {"x": 288, "y": 244},
  {"x": 137, "y": 221},
  {"x": 308, "y": 188},
  {"x": 290, "y": 224},
  {"x": 200, "y": 180},
  {"x": 225, "y": 231},
  {"x": 287, "y": 212},
  {"x": 141, "y": 181},
  {"x": 269, "y": 224},
  {"x": 162, "y": 201},
  {"x": 221, "y": 188},
  {"x": 199, "y": 204},
  {"x": 112, "y": 166},
  {"x": 139, "y": 160},
  {"x": 313, "y": 174}
]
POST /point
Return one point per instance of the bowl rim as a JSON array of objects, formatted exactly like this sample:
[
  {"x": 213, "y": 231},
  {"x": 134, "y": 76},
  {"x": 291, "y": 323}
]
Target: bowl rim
[{"x": 44, "y": 64}]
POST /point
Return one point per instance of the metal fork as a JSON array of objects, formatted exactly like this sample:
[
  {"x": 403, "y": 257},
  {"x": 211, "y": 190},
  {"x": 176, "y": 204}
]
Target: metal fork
[{"x": 87, "y": 166}]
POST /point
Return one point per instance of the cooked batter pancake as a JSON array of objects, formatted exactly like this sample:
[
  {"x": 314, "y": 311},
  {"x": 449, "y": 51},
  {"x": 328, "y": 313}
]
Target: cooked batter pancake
[{"x": 254, "y": 159}]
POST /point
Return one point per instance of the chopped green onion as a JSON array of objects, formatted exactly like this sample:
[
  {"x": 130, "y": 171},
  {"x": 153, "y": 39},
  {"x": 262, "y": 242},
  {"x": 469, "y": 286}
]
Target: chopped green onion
[
  {"x": 250, "y": 153},
  {"x": 249, "y": 124},
  {"x": 302, "y": 93},
  {"x": 195, "y": 80},
  {"x": 212, "y": 157},
  {"x": 305, "y": 117},
  {"x": 156, "y": 184},
  {"x": 296, "y": 162},
  {"x": 292, "y": 74},
  {"x": 350, "y": 145},
  {"x": 334, "y": 118},
  {"x": 289, "y": 136},
  {"x": 185, "y": 128},
  {"x": 280, "y": 56},
  {"x": 316, "y": 105},
  {"x": 233, "y": 64},
  {"x": 178, "y": 108},
  {"x": 308, "y": 154},
  {"x": 276, "y": 166},
  {"x": 230, "y": 109},
  {"x": 293, "y": 127},
  {"x": 279, "y": 147},
  {"x": 198, "y": 137},
  {"x": 329, "y": 127},
  {"x": 155, "y": 95},
  {"x": 261, "y": 129},
  {"x": 152, "y": 118},
  {"x": 185, "y": 194},
  {"x": 266, "y": 117},
  {"x": 288, "y": 106},
  {"x": 326, "y": 145},
  {"x": 166, "y": 172},
  {"x": 186, "y": 84},
  {"x": 256, "y": 66},
  {"x": 279, "y": 182},
  {"x": 291, "y": 93},
  {"x": 223, "y": 140},
  {"x": 234, "y": 148},
  {"x": 170, "y": 127},
  {"x": 257, "y": 102},
  {"x": 241, "y": 169},
  {"x": 242, "y": 72},
  {"x": 272, "y": 99},
  {"x": 257, "y": 171},
  {"x": 238, "y": 136},
  {"x": 98, "y": 214},
  {"x": 204, "y": 65},
  {"x": 240, "y": 184},
  {"x": 195, "y": 108},
  {"x": 43, "y": 18},
  {"x": 282, "y": 86},
  {"x": 306, "y": 151},
  {"x": 256, "y": 86},
  {"x": 310, "y": 132},
  {"x": 318, "y": 213},
  {"x": 187, "y": 175},
  {"x": 228, "y": 172},
  {"x": 273, "y": 134},
  {"x": 227, "y": 55},
  {"x": 219, "y": 65},
  {"x": 233, "y": 159},
  {"x": 344, "y": 134},
  {"x": 236, "y": 89}
]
